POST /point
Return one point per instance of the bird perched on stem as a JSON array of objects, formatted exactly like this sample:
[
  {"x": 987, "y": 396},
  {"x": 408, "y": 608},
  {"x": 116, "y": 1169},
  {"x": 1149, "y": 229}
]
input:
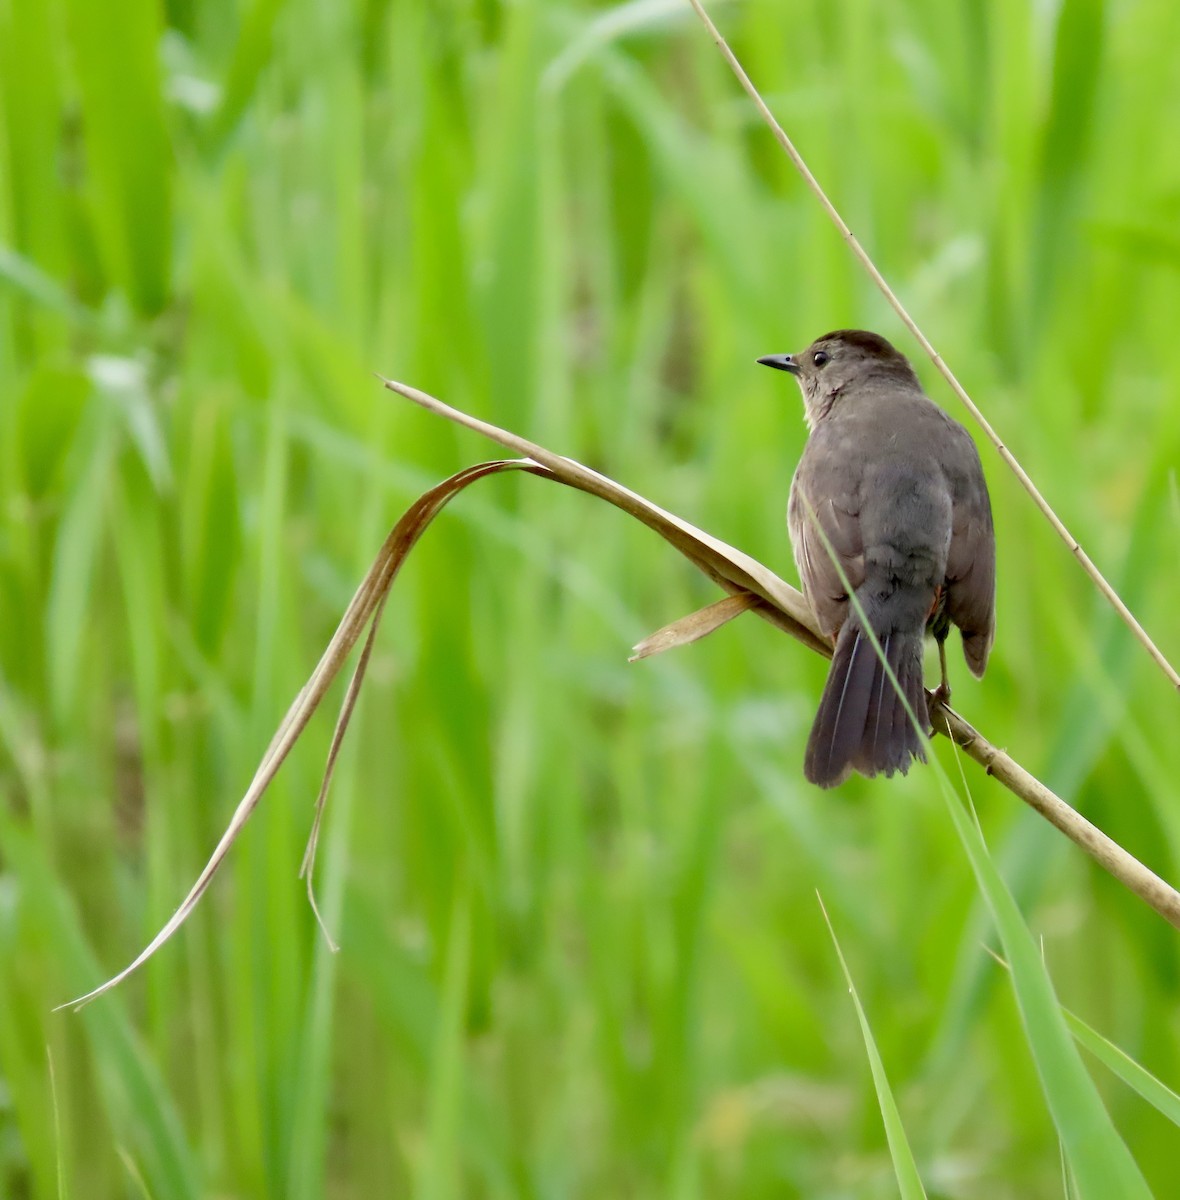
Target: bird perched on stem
[{"x": 891, "y": 526}]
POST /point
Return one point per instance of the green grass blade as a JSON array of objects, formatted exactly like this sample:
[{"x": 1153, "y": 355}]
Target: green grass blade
[
  {"x": 441, "y": 1176},
  {"x": 909, "y": 1181},
  {"x": 127, "y": 146},
  {"x": 143, "y": 1117},
  {"x": 1137, "y": 1077},
  {"x": 1102, "y": 1165},
  {"x": 252, "y": 53}
]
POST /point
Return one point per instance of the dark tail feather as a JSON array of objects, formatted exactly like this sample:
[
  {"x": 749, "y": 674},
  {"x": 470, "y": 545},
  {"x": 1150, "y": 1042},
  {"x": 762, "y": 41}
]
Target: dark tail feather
[{"x": 862, "y": 722}]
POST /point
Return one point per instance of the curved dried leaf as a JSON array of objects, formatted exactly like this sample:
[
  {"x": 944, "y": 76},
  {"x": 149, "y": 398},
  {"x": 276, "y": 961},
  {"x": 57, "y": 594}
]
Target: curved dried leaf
[{"x": 366, "y": 604}]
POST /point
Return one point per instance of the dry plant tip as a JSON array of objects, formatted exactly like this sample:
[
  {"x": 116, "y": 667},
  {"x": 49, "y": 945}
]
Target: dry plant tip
[{"x": 695, "y": 626}]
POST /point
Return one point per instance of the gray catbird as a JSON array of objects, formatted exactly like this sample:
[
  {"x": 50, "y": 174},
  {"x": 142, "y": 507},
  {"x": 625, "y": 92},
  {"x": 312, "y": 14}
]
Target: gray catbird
[{"x": 889, "y": 500}]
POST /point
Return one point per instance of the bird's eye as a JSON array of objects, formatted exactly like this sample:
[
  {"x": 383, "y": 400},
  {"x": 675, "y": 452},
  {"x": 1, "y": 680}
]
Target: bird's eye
[{"x": 821, "y": 358}]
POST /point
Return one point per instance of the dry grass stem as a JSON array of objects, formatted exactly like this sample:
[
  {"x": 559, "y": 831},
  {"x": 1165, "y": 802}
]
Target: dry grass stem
[{"x": 863, "y": 258}]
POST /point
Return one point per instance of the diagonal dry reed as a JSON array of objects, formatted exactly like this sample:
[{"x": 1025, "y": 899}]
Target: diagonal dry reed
[{"x": 751, "y": 587}]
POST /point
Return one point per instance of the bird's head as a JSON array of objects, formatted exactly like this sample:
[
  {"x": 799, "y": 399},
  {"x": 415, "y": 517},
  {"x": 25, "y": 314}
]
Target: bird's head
[{"x": 837, "y": 363}]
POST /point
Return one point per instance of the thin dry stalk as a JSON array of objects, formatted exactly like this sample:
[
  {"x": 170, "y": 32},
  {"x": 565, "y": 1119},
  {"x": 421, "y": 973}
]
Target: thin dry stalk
[{"x": 865, "y": 261}]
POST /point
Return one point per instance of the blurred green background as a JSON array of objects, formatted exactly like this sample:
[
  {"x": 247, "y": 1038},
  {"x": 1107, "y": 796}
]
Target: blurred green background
[{"x": 581, "y": 950}]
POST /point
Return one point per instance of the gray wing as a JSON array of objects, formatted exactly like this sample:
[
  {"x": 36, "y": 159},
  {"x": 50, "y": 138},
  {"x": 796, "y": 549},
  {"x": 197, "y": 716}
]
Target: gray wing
[
  {"x": 971, "y": 563},
  {"x": 836, "y": 519}
]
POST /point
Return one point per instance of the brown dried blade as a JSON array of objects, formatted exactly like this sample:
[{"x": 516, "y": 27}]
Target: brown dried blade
[
  {"x": 366, "y": 604},
  {"x": 696, "y": 625},
  {"x": 412, "y": 525}
]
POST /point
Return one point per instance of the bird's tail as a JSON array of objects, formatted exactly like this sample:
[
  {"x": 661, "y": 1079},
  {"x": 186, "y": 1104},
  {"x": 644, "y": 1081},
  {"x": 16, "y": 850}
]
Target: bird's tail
[{"x": 862, "y": 721}]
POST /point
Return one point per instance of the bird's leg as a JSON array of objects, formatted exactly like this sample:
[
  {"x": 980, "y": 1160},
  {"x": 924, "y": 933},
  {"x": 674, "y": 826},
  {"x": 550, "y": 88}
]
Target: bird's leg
[
  {"x": 939, "y": 624},
  {"x": 943, "y": 691}
]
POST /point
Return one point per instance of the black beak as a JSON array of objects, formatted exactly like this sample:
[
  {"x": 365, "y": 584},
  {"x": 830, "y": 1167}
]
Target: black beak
[{"x": 780, "y": 362}]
